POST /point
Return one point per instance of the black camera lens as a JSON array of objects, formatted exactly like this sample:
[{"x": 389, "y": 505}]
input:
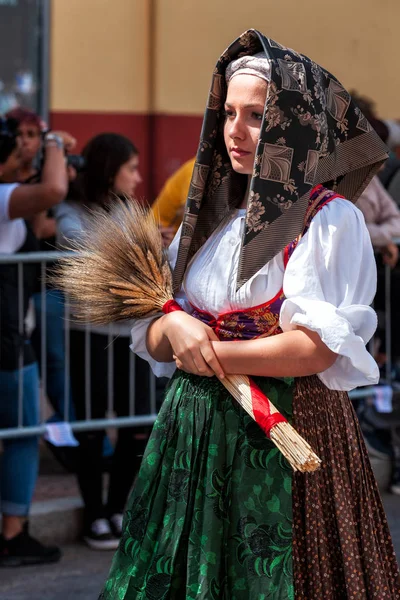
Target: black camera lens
[{"x": 76, "y": 161}]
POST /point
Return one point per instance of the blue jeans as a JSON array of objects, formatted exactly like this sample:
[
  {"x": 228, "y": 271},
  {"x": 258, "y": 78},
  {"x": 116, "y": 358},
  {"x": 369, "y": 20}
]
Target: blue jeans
[
  {"x": 55, "y": 352},
  {"x": 20, "y": 461}
]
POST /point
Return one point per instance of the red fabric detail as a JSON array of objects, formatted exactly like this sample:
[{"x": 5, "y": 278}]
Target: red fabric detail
[
  {"x": 286, "y": 256},
  {"x": 316, "y": 189},
  {"x": 238, "y": 310},
  {"x": 313, "y": 206},
  {"x": 170, "y": 306},
  {"x": 261, "y": 410}
]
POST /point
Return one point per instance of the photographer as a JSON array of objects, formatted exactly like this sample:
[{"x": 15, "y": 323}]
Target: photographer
[
  {"x": 19, "y": 467},
  {"x": 30, "y": 130}
]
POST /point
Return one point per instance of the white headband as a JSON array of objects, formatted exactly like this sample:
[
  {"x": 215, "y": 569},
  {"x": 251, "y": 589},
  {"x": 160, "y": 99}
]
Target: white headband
[{"x": 257, "y": 64}]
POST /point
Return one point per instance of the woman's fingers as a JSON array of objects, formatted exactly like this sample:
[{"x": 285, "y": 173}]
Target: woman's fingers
[
  {"x": 200, "y": 361},
  {"x": 193, "y": 362},
  {"x": 203, "y": 368},
  {"x": 189, "y": 365},
  {"x": 211, "y": 360}
]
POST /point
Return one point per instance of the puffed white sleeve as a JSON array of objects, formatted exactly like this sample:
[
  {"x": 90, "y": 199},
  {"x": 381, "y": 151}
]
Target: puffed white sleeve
[
  {"x": 329, "y": 283},
  {"x": 140, "y": 326}
]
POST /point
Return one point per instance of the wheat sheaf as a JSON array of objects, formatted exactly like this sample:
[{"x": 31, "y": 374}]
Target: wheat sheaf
[{"x": 119, "y": 269}]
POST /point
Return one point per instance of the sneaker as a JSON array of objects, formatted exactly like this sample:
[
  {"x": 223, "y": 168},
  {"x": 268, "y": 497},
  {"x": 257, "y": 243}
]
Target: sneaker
[
  {"x": 23, "y": 549},
  {"x": 99, "y": 536},
  {"x": 116, "y": 524}
]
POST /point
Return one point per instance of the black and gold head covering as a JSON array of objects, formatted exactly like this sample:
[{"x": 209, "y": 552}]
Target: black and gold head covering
[{"x": 311, "y": 133}]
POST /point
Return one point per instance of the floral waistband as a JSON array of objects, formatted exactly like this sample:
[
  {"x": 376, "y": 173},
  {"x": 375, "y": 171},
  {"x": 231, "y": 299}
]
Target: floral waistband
[{"x": 247, "y": 324}]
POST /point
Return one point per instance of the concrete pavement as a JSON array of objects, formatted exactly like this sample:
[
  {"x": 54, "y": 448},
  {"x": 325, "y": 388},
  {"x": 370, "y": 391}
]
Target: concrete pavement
[
  {"x": 82, "y": 572},
  {"x": 78, "y": 576}
]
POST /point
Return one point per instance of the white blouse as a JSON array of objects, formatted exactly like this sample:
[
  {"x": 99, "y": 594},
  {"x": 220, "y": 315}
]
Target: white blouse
[{"x": 329, "y": 283}]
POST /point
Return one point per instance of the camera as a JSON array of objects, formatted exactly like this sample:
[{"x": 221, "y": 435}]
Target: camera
[
  {"x": 76, "y": 161},
  {"x": 73, "y": 160},
  {"x": 8, "y": 128}
]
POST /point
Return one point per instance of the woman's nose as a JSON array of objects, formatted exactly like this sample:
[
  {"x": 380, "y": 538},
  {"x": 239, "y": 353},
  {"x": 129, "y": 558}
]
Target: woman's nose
[{"x": 236, "y": 130}]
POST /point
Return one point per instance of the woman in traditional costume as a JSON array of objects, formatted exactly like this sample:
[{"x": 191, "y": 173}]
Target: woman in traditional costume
[{"x": 275, "y": 270}]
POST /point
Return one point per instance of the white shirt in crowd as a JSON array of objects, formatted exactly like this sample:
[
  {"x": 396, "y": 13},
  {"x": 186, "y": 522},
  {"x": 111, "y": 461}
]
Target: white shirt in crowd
[{"x": 12, "y": 232}]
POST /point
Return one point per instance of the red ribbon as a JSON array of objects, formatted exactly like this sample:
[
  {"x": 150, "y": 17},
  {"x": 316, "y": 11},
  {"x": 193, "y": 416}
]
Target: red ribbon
[
  {"x": 170, "y": 306},
  {"x": 261, "y": 410}
]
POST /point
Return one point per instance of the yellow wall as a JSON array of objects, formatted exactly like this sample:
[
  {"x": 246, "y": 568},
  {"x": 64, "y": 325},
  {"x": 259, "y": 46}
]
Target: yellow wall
[
  {"x": 99, "y": 55},
  {"x": 100, "y": 48},
  {"x": 357, "y": 40}
]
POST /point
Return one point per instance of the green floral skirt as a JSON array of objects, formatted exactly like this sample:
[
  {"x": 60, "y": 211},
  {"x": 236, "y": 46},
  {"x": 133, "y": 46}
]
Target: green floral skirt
[{"x": 210, "y": 516}]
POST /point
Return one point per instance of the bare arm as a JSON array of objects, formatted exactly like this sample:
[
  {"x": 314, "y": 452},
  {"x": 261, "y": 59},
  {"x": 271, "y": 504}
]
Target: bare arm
[
  {"x": 290, "y": 354},
  {"x": 157, "y": 342},
  {"x": 29, "y": 199},
  {"x": 43, "y": 226},
  {"x": 197, "y": 350}
]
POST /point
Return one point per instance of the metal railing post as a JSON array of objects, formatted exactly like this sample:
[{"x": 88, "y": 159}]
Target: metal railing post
[
  {"x": 21, "y": 331},
  {"x": 43, "y": 332}
]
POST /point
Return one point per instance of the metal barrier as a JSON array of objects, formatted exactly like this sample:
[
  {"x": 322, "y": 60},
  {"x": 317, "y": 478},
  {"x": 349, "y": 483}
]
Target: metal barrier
[
  {"x": 132, "y": 420},
  {"x": 388, "y": 320}
]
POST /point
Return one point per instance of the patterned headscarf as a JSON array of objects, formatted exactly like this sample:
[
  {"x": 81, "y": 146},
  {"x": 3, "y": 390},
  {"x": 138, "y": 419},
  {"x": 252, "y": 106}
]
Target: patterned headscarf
[{"x": 311, "y": 133}]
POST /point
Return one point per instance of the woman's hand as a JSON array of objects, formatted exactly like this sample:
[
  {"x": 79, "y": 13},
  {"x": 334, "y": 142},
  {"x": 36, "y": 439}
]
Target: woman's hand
[
  {"x": 390, "y": 254},
  {"x": 190, "y": 340},
  {"x": 68, "y": 140}
]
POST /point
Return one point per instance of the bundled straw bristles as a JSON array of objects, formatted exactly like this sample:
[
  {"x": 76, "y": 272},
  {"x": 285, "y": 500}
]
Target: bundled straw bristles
[
  {"x": 294, "y": 448},
  {"x": 120, "y": 270}
]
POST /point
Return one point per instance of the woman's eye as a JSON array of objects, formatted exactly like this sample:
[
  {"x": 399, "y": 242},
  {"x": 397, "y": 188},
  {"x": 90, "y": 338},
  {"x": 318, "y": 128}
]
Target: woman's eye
[
  {"x": 257, "y": 116},
  {"x": 228, "y": 113}
]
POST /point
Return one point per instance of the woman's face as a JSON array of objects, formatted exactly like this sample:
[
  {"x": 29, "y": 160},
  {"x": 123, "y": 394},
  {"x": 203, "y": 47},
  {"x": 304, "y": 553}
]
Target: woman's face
[
  {"x": 244, "y": 108},
  {"x": 30, "y": 138},
  {"x": 9, "y": 170},
  {"x": 128, "y": 177}
]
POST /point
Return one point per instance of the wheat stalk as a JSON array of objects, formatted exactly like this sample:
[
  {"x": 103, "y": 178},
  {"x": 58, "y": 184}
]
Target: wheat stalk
[{"x": 119, "y": 269}]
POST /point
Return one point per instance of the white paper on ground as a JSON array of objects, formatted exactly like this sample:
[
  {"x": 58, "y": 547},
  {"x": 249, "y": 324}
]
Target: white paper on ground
[
  {"x": 383, "y": 398},
  {"x": 60, "y": 434}
]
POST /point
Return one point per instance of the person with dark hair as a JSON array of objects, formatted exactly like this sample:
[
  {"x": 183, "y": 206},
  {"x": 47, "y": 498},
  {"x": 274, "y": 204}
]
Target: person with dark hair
[
  {"x": 112, "y": 166},
  {"x": 275, "y": 274},
  {"x": 19, "y": 467},
  {"x": 111, "y": 170}
]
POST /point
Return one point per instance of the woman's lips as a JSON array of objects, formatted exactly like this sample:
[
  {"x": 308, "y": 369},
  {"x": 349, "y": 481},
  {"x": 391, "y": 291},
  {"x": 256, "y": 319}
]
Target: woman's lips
[{"x": 239, "y": 153}]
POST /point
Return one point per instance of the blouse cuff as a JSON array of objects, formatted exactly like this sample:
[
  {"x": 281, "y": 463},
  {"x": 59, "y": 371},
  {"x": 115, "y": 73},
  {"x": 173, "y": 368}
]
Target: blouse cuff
[
  {"x": 138, "y": 346},
  {"x": 345, "y": 331}
]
